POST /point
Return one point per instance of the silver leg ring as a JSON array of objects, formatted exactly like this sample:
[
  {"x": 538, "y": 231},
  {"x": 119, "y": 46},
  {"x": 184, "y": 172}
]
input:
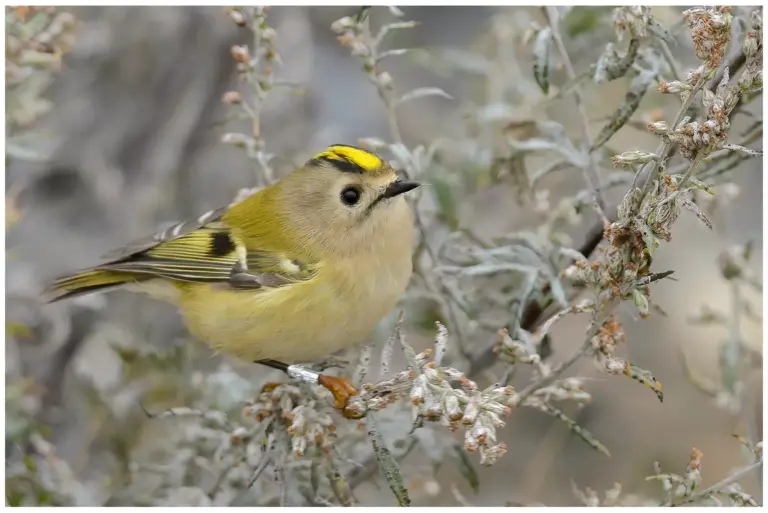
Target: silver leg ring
[{"x": 303, "y": 374}]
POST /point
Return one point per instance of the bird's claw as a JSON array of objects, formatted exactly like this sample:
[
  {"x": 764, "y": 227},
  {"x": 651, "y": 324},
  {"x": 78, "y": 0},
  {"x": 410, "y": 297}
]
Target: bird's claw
[{"x": 341, "y": 388}]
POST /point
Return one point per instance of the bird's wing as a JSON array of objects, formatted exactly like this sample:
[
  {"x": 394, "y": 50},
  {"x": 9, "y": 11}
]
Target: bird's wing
[{"x": 205, "y": 250}]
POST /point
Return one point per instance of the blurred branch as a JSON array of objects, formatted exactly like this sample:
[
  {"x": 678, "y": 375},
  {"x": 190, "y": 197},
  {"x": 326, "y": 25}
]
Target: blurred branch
[{"x": 591, "y": 171}]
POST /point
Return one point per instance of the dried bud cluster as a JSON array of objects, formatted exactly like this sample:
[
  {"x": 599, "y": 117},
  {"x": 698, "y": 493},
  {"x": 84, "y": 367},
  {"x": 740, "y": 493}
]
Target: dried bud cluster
[
  {"x": 710, "y": 30},
  {"x": 433, "y": 398},
  {"x": 255, "y": 65},
  {"x": 256, "y": 69},
  {"x": 604, "y": 344},
  {"x": 698, "y": 140},
  {"x": 354, "y": 33},
  {"x": 631, "y": 19},
  {"x": 36, "y": 40},
  {"x": 752, "y": 77},
  {"x": 305, "y": 422},
  {"x": 350, "y": 35},
  {"x": 518, "y": 351}
]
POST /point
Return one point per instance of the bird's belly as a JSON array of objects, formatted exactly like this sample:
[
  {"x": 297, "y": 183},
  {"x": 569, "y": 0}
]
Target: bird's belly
[{"x": 304, "y": 322}]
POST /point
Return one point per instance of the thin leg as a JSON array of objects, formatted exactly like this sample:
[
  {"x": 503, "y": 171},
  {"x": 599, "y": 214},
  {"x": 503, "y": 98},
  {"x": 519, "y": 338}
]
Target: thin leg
[{"x": 274, "y": 364}]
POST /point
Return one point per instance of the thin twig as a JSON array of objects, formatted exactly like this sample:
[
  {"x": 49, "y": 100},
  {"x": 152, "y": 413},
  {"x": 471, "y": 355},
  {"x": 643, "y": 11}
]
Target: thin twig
[
  {"x": 666, "y": 146},
  {"x": 725, "y": 482},
  {"x": 591, "y": 172},
  {"x": 667, "y": 54},
  {"x": 556, "y": 372}
]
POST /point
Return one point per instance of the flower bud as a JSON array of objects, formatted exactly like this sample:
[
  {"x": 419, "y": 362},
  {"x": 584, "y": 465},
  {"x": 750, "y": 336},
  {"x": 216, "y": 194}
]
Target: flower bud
[
  {"x": 452, "y": 407},
  {"x": 659, "y": 128},
  {"x": 417, "y": 394},
  {"x": 299, "y": 445},
  {"x": 673, "y": 87},
  {"x": 231, "y": 98},
  {"x": 472, "y": 411},
  {"x": 268, "y": 34},
  {"x": 235, "y": 139},
  {"x": 750, "y": 46},
  {"x": 385, "y": 79},
  {"x": 238, "y": 17},
  {"x": 342, "y": 24},
  {"x": 434, "y": 412},
  {"x": 633, "y": 157},
  {"x": 238, "y": 436},
  {"x": 641, "y": 302},
  {"x": 240, "y": 53}
]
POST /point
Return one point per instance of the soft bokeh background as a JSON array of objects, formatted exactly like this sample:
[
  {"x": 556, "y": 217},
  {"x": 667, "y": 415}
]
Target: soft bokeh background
[{"x": 134, "y": 135}]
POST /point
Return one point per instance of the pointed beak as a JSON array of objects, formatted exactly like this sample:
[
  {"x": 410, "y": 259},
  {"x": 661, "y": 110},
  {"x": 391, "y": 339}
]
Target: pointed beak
[{"x": 398, "y": 187}]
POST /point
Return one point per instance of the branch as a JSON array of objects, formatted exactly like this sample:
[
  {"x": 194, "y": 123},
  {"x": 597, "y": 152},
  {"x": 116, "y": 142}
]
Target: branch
[
  {"x": 591, "y": 172},
  {"x": 725, "y": 482}
]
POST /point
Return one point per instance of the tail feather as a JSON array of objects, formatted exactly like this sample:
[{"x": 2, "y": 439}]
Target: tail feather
[{"x": 86, "y": 282}]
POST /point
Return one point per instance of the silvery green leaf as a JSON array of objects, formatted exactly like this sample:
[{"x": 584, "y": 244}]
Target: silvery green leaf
[
  {"x": 607, "y": 59},
  {"x": 693, "y": 207},
  {"x": 395, "y": 11},
  {"x": 446, "y": 200},
  {"x": 363, "y": 13},
  {"x": 645, "y": 378},
  {"x": 392, "y": 26},
  {"x": 651, "y": 242},
  {"x": 524, "y": 298},
  {"x": 637, "y": 89},
  {"x": 661, "y": 32},
  {"x": 577, "y": 430},
  {"x": 423, "y": 92},
  {"x": 386, "y": 353},
  {"x": 387, "y": 463},
  {"x": 529, "y": 240},
  {"x": 700, "y": 185},
  {"x": 410, "y": 354},
  {"x": 466, "y": 467},
  {"x": 393, "y": 53},
  {"x": 558, "y": 292},
  {"x": 742, "y": 149},
  {"x": 557, "y": 141},
  {"x": 549, "y": 168},
  {"x": 441, "y": 343},
  {"x": 542, "y": 46},
  {"x": 402, "y": 154},
  {"x": 487, "y": 269}
]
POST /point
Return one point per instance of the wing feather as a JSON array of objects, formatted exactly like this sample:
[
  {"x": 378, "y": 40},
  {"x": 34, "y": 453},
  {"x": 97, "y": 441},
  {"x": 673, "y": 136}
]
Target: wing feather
[{"x": 203, "y": 250}]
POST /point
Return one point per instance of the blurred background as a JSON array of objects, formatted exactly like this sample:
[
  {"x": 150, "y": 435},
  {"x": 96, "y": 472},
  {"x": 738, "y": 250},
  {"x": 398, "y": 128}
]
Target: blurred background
[{"x": 126, "y": 135}]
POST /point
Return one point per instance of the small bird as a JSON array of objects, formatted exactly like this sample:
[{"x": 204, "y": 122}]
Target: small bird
[{"x": 295, "y": 272}]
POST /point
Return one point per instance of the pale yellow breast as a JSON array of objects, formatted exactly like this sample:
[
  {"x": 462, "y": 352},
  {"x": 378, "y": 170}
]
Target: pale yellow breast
[{"x": 310, "y": 320}]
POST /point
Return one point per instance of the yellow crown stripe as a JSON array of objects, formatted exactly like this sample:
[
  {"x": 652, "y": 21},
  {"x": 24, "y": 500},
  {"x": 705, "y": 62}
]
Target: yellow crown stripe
[{"x": 365, "y": 160}]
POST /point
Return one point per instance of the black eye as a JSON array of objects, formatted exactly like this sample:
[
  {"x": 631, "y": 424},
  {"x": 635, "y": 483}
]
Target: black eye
[{"x": 350, "y": 195}]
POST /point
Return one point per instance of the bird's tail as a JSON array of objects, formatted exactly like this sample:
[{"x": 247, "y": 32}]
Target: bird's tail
[{"x": 87, "y": 281}]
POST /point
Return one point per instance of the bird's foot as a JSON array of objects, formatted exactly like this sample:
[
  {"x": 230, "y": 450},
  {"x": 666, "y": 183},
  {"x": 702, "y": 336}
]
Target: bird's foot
[{"x": 341, "y": 388}]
